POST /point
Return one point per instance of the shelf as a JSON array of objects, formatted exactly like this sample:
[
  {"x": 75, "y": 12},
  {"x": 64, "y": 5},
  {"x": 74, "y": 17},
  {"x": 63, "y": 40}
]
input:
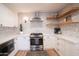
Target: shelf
[
  {"x": 51, "y": 17},
  {"x": 67, "y": 23},
  {"x": 69, "y": 12},
  {"x": 51, "y": 25},
  {"x": 61, "y": 24}
]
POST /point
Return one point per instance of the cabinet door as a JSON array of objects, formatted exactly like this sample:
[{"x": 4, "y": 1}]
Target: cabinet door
[
  {"x": 69, "y": 48},
  {"x": 66, "y": 47},
  {"x": 23, "y": 43},
  {"x": 57, "y": 44},
  {"x": 49, "y": 42},
  {"x": 61, "y": 46}
]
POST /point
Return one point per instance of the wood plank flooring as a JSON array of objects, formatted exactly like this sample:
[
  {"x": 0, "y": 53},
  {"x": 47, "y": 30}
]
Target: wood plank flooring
[
  {"x": 21, "y": 53},
  {"x": 51, "y": 52}
]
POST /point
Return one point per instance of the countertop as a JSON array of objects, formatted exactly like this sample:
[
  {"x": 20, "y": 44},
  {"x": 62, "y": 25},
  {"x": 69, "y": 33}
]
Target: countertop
[
  {"x": 7, "y": 38},
  {"x": 72, "y": 39},
  {"x": 7, "y": 35}
]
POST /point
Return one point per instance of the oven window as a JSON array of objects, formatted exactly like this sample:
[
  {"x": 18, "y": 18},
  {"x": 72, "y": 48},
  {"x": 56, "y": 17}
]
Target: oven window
[{"x": 5, "y": 49}]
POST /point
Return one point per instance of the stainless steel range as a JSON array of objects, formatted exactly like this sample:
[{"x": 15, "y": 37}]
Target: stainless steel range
[{"x": 36, "y": 41}]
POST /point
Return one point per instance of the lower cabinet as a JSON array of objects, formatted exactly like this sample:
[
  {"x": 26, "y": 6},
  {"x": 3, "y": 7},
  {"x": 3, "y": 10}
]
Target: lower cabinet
[
  {"x": 67, "y": 48},
  {"x": 22, "y": 43},
  {"x": 49, "y": 42}
]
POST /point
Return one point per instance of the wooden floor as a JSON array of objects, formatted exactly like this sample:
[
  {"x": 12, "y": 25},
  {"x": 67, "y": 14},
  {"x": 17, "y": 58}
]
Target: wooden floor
[
  {"x": 21, "y": 53},
  {"x": 51, "y": 52}
]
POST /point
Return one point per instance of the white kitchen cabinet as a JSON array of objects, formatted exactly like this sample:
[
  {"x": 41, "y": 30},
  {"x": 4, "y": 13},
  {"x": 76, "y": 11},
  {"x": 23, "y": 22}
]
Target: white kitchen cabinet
[
  {"x": 60, "y": 46},
  {"x": 22, "y": 42},
  {"x": 67, "y": 48},
  {"x": 64, "y": 47},
  {"x": 49, "y": 42},
  {"x": 76, "y": 49}
]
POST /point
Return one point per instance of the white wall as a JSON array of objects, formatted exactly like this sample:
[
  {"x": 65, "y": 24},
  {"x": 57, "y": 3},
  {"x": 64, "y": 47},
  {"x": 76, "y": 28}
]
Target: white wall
[
  {"x": 8, "y": 17},
  {"x": 28, "y": 27}
]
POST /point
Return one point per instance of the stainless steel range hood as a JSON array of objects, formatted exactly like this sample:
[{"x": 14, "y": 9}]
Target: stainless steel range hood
[{"x": 36, "y": 17}]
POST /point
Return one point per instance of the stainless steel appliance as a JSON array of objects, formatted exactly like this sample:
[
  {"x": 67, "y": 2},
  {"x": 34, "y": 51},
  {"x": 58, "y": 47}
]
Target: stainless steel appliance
[
  {"x": 6, "y": 48},
  {"x": 36, "y": 41}
]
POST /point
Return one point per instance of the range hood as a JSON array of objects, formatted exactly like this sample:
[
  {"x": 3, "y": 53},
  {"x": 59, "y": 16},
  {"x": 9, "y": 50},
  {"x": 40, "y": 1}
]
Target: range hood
[{"x": 36, "y": 17}]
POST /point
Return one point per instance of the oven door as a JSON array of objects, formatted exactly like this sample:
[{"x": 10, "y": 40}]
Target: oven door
[
  {"x": 4, "y": 51},
  {"x": 36, "y": 41}
]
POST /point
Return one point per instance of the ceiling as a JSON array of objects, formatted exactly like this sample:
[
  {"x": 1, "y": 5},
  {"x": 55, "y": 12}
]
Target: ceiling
[{"x": 33, "y": 7}]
